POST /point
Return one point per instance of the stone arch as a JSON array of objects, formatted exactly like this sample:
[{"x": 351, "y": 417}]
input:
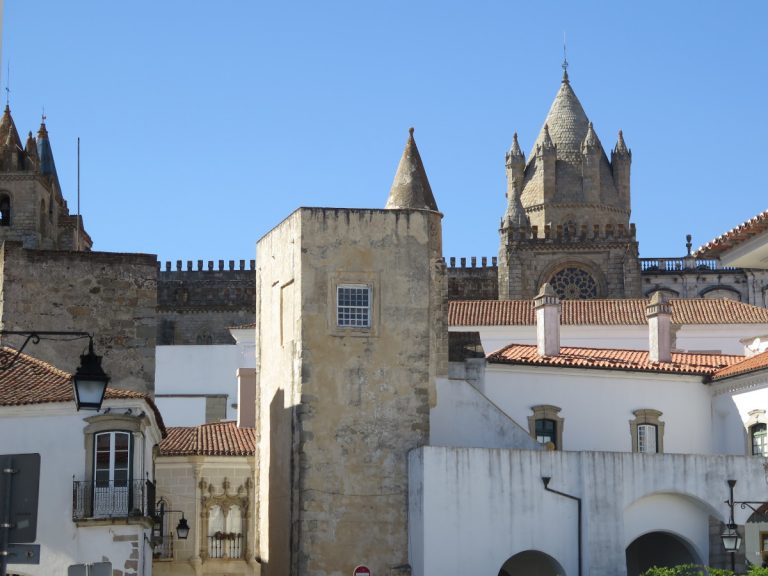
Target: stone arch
[
  {"x": 531, "y": 562},
  {"x": 721, "y": 291},
  {"x": 566, "y": 276},
  {"x": 659, "y": 548},
  {"x": 683, "y": 516}
]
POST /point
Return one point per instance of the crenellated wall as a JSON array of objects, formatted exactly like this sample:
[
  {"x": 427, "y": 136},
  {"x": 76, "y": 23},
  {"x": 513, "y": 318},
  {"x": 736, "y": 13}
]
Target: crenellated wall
[
  {"x": 473, "y": 282},
  {"x": 197, "y": 305}
]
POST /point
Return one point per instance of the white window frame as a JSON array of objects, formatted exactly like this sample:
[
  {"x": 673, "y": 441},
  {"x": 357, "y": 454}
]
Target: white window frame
[
  {"x": 647, "y": 417},
  {"x": 350, "y": 315},
  {"x": 647, "y": 438}
]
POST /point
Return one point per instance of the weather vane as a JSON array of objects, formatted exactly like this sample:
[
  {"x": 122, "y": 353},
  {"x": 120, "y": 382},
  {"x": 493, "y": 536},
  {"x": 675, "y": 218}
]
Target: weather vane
[
  {"x": 8, "y": 85},
  {"x": 565, "y": 58}
]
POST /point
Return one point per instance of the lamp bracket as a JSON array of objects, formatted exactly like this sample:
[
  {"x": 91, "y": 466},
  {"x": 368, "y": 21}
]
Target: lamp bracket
[{"x": 35, "y": 336}]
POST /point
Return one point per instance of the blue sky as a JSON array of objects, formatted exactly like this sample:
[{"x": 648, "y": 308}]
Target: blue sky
[{"x": 203, "y": 124}]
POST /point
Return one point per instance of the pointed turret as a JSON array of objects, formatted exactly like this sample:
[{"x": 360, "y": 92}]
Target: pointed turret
[
  {"x": 515, "y": 161},
  {"x": 592, "y": 152},
  {"x": 31, "y": 150},
  {"x": 621, "y": 162},
  {"x": 44, "y": 152},
  {"x": 11, "y": 152},
  {"x": 411, "y": 188},
  {"x": 546, "y": 159}
]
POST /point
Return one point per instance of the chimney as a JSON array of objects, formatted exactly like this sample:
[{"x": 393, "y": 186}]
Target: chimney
[
  {"x": 246, "y": 397},
  {"x": 547, "y": 308},
  {"x": 659, "y": 314}
]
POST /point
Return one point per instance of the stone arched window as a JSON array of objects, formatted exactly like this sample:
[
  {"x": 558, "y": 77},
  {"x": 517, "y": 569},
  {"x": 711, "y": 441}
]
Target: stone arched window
[
  {"x": 726, "y": 292},
  {"x": 5, "y": 209},
  {"x": 225, "y": 520},
  {"x": 574, "y": 283},
  {"x": 757, "y": 433},
  {"x": 647, "y": 431},
  {"x": 545, "y": 426}
]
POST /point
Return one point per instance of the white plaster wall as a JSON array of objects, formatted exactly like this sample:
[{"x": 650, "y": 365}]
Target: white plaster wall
[
  {"x": 470, "y": 509},
  {"x": 464, "y": 417},
  {"x": 182, "y": 411},
  {"x": 682, "y": 516},
  {"x": 597, "y": 405},
  {"x": 724, "y": 338},
  {"x": 198, "y": 370},
  {"x": 55, "y": 431}
]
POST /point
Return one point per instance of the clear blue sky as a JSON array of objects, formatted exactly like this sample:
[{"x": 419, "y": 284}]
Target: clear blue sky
[{"x": 203, "y": 124}]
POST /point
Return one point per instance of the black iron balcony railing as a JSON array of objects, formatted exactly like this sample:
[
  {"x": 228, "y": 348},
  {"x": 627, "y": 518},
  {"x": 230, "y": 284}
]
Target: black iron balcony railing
[
  {"x": 115, "y": 499},
  {"x": 225, "y": 545}
]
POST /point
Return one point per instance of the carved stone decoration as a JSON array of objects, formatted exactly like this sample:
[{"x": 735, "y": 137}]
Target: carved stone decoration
[
  {"x": 574, "y": 284},
  {"x": 219, "y": 502}
]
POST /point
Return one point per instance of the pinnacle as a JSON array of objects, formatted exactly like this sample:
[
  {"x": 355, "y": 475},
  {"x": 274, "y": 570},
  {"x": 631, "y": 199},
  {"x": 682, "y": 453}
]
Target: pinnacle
[
  {"x": 515, "y": 151},
  {"x": 621, "y": 147},
  {"x": 591, "y": 141},
  {"x": 410, "y": 188}
]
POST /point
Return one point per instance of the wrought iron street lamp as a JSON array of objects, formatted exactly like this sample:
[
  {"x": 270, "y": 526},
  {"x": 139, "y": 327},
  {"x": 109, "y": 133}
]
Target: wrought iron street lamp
[
  {"x": 730, "y": 536},
  {"x": 182, "y": 528},
  {"x": 89, "y": 382}
]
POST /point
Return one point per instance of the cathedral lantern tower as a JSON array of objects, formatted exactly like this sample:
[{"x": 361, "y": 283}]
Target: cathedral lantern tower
[{"x": 568, "y": 207}]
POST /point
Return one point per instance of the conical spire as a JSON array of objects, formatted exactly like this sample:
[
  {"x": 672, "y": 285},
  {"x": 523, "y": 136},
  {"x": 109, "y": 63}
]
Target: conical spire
[
  {"x": 515, "y": 149},
  {"x": 546, "y": 140},
  {"x": 44, "y": 152},
  {"x": 621, "y": 147},
  {"x": 9, "y": 136},
  {"x": 411, "y": 188}
]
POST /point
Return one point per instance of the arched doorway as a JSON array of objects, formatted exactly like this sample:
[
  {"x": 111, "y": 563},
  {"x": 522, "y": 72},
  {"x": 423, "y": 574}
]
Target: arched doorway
[
  {"x": 531, "y": 562},
  {"x": 658, "y": 549}
]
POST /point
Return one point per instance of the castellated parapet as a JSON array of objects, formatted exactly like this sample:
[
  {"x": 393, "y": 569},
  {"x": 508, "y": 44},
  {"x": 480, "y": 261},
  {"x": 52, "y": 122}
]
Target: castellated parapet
[
  {"x": 473, "y": 282},
  {"x": 341, "y": 405},
  {"x": 198, "y": 301},
  {"x": 110, "y": 295}
]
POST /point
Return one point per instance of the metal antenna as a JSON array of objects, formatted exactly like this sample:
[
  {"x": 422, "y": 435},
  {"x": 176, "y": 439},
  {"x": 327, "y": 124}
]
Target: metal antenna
[
  {"x": 77, "y": 236},
  {"x": 8, "y": 85},
  {"x": 44, "y": 116}
]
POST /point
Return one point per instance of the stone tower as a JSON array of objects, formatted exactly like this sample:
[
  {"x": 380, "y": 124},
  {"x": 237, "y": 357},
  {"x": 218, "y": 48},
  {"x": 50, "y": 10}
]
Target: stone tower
[
  {"x": 568, "y": 207},
  {"x": 351, "y": 337},
  {"x": 32, "y": 208}
]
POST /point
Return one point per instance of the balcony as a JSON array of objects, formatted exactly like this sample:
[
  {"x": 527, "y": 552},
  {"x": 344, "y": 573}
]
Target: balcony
[
  {"x": 225, "y": 545},
  {"x": 677, "y": 265},
  {"x": 97, "y": 500}
]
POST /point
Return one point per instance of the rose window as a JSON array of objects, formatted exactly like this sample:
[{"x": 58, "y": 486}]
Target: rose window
[{"x": 574, "y": 284}]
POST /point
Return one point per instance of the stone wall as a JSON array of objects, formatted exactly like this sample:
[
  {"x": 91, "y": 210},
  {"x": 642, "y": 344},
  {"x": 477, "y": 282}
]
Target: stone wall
[
  {"x": 109, "y": 295},
  {"x": 197, "y": 306},
  {"x": 473, "y": 282},
  {"x": 345, "y": 405}
]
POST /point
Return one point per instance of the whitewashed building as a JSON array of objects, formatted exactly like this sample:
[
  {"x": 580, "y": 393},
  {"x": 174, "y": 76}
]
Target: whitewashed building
[
  {"x": 96, "y": 494},
  {"x": 640, "y": 447}
]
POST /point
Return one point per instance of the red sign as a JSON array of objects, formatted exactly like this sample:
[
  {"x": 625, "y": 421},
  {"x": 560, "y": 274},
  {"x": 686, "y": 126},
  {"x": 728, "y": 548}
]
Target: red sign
[{"x": 362, "y": 571}]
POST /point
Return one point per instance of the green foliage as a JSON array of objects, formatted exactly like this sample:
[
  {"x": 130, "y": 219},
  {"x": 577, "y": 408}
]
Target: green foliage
[
  {"x": 757, "y": 571},
  {"x": 693, "y": 570}
]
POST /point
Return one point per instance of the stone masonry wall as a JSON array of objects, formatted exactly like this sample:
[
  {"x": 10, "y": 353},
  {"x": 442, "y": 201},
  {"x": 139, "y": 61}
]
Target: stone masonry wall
[
  {"x": 197, "y": 306},
  {"x": 365, "y": 394},
  {"x": 473, "y": 282},
  {"x": 109, "y": 295}
]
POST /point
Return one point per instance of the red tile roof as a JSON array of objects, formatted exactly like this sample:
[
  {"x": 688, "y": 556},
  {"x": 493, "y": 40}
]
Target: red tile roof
[
  {"x": 603, "y": 312},
  {"x": 215, "y": 439},
  {"x": 734, "y": 237},
  {"x": 751, "y": 364},
  {"x": 599, "y": 358},
  {"x": 32, "y": 381}
]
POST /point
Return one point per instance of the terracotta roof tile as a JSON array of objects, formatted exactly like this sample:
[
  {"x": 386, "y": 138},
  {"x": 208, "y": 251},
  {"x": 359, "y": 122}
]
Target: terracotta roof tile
[
  {"x": 32, "y": 381},
  {"x": 751, "y": 364},
  {"x": 603, "y": 312},
  {"x": 214, "y": 439},
  {"x": 606, "y": 359},
  {"x": 734, "y": 237}
]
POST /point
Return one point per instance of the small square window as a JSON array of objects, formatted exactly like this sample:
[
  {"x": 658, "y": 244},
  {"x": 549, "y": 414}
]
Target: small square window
[{"x": 353, "y": 305}]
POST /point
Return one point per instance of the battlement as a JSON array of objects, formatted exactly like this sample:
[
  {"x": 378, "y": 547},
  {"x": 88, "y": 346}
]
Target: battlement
[
  {"x": 200, "y": 268},
  {"x": 473, "y": 262},
  {"x": 569, "y": 233}
]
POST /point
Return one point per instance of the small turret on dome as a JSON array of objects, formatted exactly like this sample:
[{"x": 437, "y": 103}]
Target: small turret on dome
[
  {"x": 621, "y": 148},
  {"x": 410, "y": 188},
  {"x": 515, "y": 215},
  {"x": 515, "y": 155},
  {"x": 591, "y": 141},
  {"x": 547, "y": 143}
]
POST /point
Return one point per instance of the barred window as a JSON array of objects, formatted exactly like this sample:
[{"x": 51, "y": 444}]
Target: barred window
[{"x": 353, "y": 305}]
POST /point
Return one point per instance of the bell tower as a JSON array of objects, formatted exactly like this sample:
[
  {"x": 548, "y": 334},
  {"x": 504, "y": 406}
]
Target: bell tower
[{"x": 568, "y": 207}]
